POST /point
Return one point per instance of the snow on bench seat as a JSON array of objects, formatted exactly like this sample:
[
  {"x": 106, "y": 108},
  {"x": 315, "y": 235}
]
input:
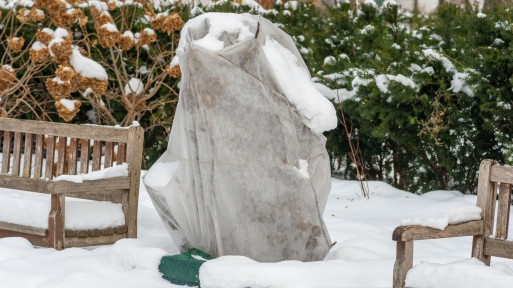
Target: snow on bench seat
[{"x": 80, "y": 214}]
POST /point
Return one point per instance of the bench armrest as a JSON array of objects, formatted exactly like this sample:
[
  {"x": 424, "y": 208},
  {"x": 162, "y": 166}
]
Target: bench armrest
[
  {"x": 411, "y": 233},
  {"x": 67, "y": 187}
]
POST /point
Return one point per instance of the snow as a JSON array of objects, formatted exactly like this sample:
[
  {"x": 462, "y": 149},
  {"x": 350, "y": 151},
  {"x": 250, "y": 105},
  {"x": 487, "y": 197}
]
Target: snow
[
  {"x": 318, "y": 113},
  {"x": 8, "y": 67},
  {"x": 329, "y": 60},
  {"x": 363, "y": 256},
  {"x": 69, "y": 104},
  {"x": 337, "y": 95},
  {"x": 457, "y": 216},
  {"x": 291, "y": 5},
  {"x": 174, "y": 62},
  {"x": 110, "y": 27},
  {"x": 87, "y": 67},
  {"x": 219, "y": 23},
  {"x": 458, "y": 84},
  {"x": 302, "y": 168},
  {"x": 106, "y": 173},
  {"x": 383, "y": 80},
  {"x": 35, "y": 208},
  {"x": 481, "y": 15},
  {"x": 435, "y": 55},
  {"x": 160, "y": 174},
  {"x": 135, "y": 86}
]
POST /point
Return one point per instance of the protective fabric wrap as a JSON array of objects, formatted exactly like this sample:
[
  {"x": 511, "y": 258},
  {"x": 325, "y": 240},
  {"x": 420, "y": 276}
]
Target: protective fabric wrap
[{"x": 233, "y": 185}]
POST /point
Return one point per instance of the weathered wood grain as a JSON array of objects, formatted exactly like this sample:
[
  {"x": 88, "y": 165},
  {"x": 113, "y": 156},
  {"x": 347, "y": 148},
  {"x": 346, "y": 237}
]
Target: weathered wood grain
[
  {"x": 97, "y": 155},
  {"x": 102, "y": 133},
  {"x": 38, "y": 165},
  {"x": 503, "y": 207},
  {"x": 498, "y": 248},
  {"x": 109, "y": 154},
  {"x": 22, "y": 183},
  {"x": 56, "y": 222},
  {"x": 403, "y": 262},
  {"x": 486, "y": 195},
  {"x": 61, "y": 155},
  {"x": 121, "y": 153},
  {"x": 73, "y": 156},
  {"x": 27, "y": 155},
  {"x": 6, "y": 152},
  {"x": 84, "y": 155},
  {"x": 50, "y": 156},
  {"x": 16, "y": 154},
  {"x": 134, "y": 158},
  {"x": 503, "y": 174},
  {"x": 65, "y": 187},
  {"x": 409, "y": 233},
  {"x": 23, "y": 229}
]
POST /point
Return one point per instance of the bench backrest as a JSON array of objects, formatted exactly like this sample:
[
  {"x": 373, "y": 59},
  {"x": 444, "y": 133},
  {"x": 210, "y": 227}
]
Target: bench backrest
[
  {"x": 65, "y": 148},
  {"x": 493, "y": 178}
]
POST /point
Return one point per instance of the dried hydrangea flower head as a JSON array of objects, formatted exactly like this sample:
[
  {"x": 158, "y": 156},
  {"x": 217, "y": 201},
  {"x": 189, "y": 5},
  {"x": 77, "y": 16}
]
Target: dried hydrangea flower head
[
  {"x": 7, "y": 77},
  {"x": 167, "y": 23},
  {"x": 15, "y": 43},
  {"x": 174, "y": 72},
  {"x": 34, "y": 14},
  {"x": 60, "y": 46},
  {"x": 45, "y": 36},
  {"x": 39, "y": 52},
  {"x": 147, "y": 36},
  {"x": 58, "y": 88},
  {"x": 126, "y": 41},
  {"x": 108, "y": 35},
  {"x": 67, "y": 109}
]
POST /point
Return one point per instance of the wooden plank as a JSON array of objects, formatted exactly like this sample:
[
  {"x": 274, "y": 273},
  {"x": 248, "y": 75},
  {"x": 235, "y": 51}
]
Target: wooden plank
[
  {"x": 50, "y": 156},
  {"x": 403, "y": 262},
  {"x": 97, "y": 154},
  {"x": 503, "y": 174},
  {"x": 134, "y": 158},
  {"x": 27, "y": 155},
  {"x": 36, "y": 240},
  {"x": 16, "y": 154},
  {"x": 498, "y": 248},
  {"x": 22, "y": 183},
  {"x": 65, "y": 187},
  {"x": 408, "y": 233},
  {"x": 90, "y": 241},
  {"x": 84, "y": 156},
  {"x": 61, "y": 155},
  {"x": 23, "y": 229},
  {"x": 486, "y": 195},
  {"x": 109, "y": 154},
  {"x": 503, "y": 207},
  {"x": 73, "y": 156},
  {"x": 102, "y": 133},
  {"x": 6, "y": 152},
  {"x": 38, "y": 165},
  {"x": 121, "y": 153},
  {"x": 56, "y": 232},
  {"x": 114, "y": 196}
]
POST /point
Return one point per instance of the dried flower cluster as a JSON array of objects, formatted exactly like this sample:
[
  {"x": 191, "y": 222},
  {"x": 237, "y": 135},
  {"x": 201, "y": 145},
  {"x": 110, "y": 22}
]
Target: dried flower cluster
[
  {"x": 7, "y": 77},
  {"x": 65, "y": 113},
  {"x": 15, "y": 43},
  {"x": 174, "y": 72},
  {"x": 164, "y": 22},
  {"x": 34, "y": 14}
]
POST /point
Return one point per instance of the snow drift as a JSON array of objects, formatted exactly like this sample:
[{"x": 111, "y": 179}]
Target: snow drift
[{"x": 246, "y": 170}]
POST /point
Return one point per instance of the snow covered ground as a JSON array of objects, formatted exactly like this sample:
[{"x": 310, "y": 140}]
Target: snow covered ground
[{"x": 363, "y": 256}]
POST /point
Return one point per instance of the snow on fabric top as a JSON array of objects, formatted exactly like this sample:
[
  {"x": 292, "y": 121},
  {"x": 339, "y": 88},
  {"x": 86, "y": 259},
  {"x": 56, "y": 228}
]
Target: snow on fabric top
[
  {"x": 317, "y": 111},
  {"x": 219, "y": 23},
  {"x": 87, "y": 67}
]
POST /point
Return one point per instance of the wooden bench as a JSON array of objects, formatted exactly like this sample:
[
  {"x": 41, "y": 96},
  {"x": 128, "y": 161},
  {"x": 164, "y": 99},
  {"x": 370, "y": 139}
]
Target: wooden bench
[
  {"x": 34, "y": 152},
  {"x": 485, "y": 243}
]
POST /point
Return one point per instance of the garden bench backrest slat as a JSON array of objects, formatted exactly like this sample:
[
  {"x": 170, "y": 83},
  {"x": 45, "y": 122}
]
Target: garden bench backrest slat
[
  {"x": 27, "y": 155},
  {"x": 503, "y": 208},
  {"x": 38, "y": 160}
]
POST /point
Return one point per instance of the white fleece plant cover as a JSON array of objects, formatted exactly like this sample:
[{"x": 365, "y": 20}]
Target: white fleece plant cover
[{"x": 246, "y": 170}]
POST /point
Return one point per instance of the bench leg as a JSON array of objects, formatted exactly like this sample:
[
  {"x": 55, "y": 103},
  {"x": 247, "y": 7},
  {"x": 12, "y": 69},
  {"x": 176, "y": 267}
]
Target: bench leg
[
  {"x": 56, "y": 223},
  {"x": 403, "y": 262}
]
